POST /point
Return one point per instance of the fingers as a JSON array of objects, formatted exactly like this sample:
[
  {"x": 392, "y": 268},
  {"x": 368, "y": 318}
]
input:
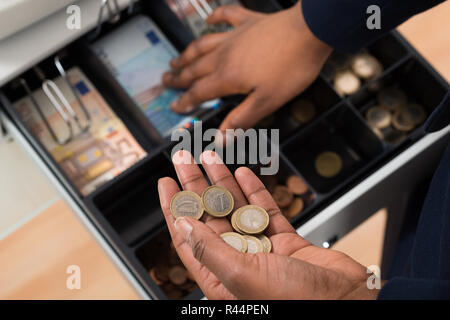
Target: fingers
[
  {"x": 257, "y": 194},
  {"x": 197, "y": 48},
  {"x": 233, "y": 15},
  {"x": 245, "y": 115},
  {"x": 205, "y": 89},
  {"x": 230, "y": 266},
  {"x": 220, "y": 175},
  {"x": 197, "y": 69},
  {"x": 192, "y": 179},
  {"x": 188, "y": 173},
  {"x": 167, "y": 188}
]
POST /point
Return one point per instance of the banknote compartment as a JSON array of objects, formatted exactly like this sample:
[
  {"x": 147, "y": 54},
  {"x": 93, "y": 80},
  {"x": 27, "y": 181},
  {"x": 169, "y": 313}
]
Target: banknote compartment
[
  {"x": 341, "y": 131},
  {"x": 72, "y": 62}
]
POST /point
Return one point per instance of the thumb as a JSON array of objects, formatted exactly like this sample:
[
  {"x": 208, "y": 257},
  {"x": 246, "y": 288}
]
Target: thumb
[{"x": 212, "y": 251}]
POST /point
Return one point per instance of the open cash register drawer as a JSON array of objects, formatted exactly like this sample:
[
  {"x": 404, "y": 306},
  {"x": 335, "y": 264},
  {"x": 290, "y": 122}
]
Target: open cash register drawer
[{"x": 124, "y": 207}]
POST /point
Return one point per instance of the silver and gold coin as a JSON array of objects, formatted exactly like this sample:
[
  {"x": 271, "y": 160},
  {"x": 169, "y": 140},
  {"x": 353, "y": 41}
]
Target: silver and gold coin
[
  {"x": 392, "y": 98},
  {"x": 186, "y": 204},
  {"x": 328, "y": 164},
  {"x": 366, "y": 66},
  {"x": 251, "y": 219},
  {"x": 217, "y": 201},
  {"x": 233, "y": 223},
  {"x": 235, "y": 240},
  {"x": 378, "y": 117},
  {"x": 267, "y": 244},
  {"x": 254, "y": 245},
  {"x": 414, "y": 113},
  {"x": 346, "y": 83},
  {"x": 303, "y": 111}
]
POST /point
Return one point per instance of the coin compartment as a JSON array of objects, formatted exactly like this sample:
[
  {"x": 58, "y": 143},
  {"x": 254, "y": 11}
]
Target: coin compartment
[
  {"x": 130, "y": 204},
  {"x": 416, "y": 81},
  {"x": 341, "y": 131},
  {"x": 240, "y": 156},
  {"x": 389, "y": 50},
  {"x": 319, "y": 93},
  {"x": 157, "y": 252},
  {"x": 286, "y": 169}
]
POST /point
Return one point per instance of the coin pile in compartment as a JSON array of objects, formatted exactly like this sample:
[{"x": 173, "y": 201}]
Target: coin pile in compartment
[
  {"x": 291, "y": 194},
  {"x": 393, "y": 117},
  {"x": 347, "y": 72},
  {"x": 169, "y": 272},
  {"x": 248, "y": 221}
]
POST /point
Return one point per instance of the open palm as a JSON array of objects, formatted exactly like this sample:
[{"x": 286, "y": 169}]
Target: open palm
[{"x": 295, "y": 269}]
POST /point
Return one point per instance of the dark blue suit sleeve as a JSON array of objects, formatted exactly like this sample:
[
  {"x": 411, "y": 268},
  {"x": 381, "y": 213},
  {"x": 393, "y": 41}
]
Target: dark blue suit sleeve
[
  {"x": 342, "y": 24},
  {"x": 415, "y": 289}
]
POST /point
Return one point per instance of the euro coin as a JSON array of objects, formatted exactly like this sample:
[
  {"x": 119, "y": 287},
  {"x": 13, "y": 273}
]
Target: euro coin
[
  {"x": 303, "y": 111},
  {"x": 346, "y": 83},
  {"x": 252, "y": 219},
  {"x": 296, "y": 185},
  {"x": 233, "y": 223},
  {"x": 328, "y": 164},
  {"x": 267, "y": 244},
  {"x": 401, "y": 123},
  {"x": 392, "y": 98},
  {"x": 378, "y": 117},
  {"x": 282, "y": 196},
  {"x": 295, "y": 208},
  {"x": 366, "y": 66},
  {"x": 217, "y": 201},
  {"x": 414, "y": 113},
  {"x": 254, "y": 245},
  {"x": 186, "y": 204},
  {"x": 235, "y": 240}
]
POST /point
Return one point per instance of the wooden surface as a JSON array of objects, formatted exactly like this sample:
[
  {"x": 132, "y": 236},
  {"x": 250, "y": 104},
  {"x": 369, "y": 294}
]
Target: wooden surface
[{"x": 33, "y": 259}]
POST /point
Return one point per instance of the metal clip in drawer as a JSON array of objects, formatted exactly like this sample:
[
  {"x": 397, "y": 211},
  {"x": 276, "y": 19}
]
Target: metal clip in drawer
[{"x": 65, "y": 110}]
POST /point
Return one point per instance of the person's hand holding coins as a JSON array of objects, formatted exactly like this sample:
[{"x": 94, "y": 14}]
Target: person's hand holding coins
[
  {"x": 273, "y": 262},
  {"x": 269, "y": 57}
]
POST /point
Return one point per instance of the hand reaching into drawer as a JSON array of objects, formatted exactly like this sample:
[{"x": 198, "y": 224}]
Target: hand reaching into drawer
[
  {"x": 269, "y": 57},
  {"x": 294, "y": 269}
]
